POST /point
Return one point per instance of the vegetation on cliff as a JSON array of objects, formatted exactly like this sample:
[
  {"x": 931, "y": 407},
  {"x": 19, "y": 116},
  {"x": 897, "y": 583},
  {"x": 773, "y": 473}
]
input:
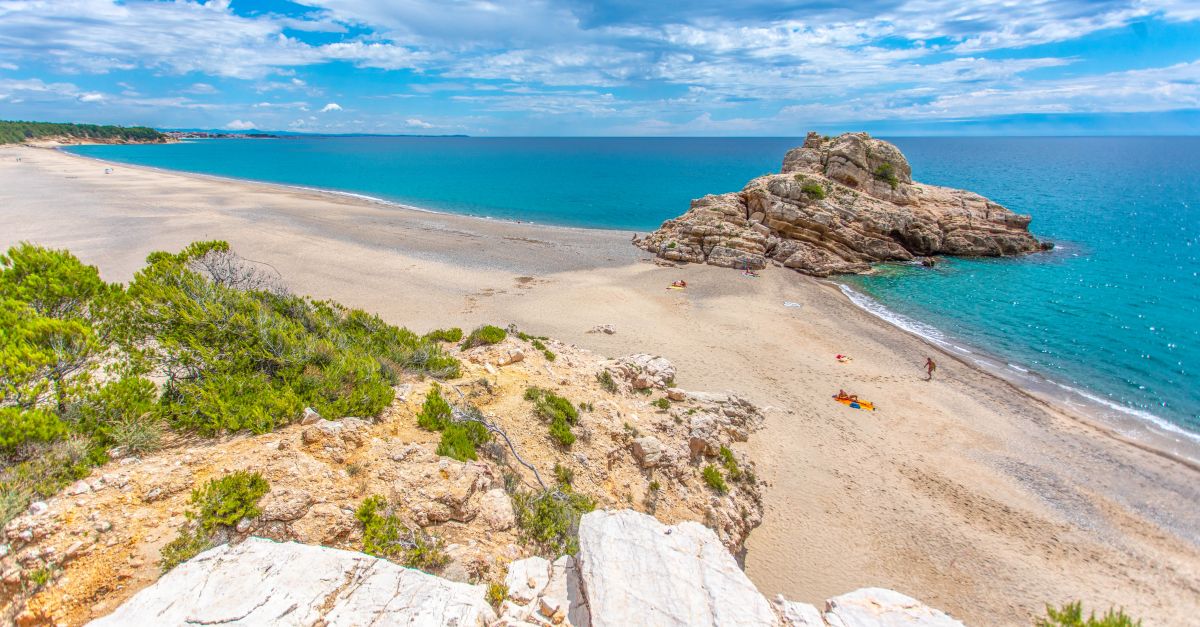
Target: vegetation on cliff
[
  {"x": 200, "y": 341},
  {"x": 16, "y": 132}
]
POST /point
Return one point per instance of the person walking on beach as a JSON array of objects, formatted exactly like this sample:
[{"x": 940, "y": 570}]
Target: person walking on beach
[{"x": 930, "y": 366}]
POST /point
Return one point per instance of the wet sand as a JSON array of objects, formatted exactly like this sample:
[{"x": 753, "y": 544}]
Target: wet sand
[{"x": 963, "y": 492}]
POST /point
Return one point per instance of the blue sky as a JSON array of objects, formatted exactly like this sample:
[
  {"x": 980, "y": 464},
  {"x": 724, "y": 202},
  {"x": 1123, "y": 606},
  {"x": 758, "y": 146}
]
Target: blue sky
[{"x": 624, "y": 67}]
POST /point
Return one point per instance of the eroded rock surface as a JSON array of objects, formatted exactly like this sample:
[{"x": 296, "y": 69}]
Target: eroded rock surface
[
  {"x": 260, "y": 582},
  {"x": 838, "y": 205}
]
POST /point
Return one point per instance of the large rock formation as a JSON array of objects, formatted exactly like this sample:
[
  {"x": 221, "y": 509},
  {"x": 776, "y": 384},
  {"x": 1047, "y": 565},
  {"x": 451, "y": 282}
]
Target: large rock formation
[
  {"x": 838, "y": 205},
  {"x": 631, "y": 570}
]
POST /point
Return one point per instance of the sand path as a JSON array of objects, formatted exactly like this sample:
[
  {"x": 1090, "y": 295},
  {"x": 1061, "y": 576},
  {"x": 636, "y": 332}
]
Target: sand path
[{"x": 962, "y": 492}]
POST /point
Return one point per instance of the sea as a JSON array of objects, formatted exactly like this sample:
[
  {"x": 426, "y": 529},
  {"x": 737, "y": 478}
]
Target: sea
[{"x": 1108, "y": 320}]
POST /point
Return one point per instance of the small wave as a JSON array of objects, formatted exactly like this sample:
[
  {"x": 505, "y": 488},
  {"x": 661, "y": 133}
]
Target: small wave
[{"x": 927, "y": 332}]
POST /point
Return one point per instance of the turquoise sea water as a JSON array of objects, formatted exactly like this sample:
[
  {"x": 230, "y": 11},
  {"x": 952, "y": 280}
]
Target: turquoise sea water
[{"x": 1114, "y": 310}]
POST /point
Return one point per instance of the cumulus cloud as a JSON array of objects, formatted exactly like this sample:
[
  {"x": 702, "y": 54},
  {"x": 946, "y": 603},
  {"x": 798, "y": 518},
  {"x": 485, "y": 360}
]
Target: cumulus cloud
[
  {"x": 333, "y": 106},
  {"x": 91, "y": 97},
  {"x": 240, "y": 125},
  {"x": 417, "y": 123}
]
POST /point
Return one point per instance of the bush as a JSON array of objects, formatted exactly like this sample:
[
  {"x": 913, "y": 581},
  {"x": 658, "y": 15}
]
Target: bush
[
  {"x": 19, "y": 427},
  {"x": 385, "y": 536},
  {"x": 122, "y": 413},
  {"x": 606, "y": 381},
  {"x": 496, "y": 594},
  {"x": 1071, "y": 615},
  {"x": 435, "y": 411},
  {"x": 564, "y": 475},
  {"x": 558, "y": 411},
  {"x": 46, "y": 470},
  {"x": 713, "y": 478},
  {"x": 662, "y": 403},
  {"x": 484, "y": 335},
  {"x": 218, "y": 505},
  {"x": 886, "y": 172},
  {"x": 813, "y": 190},
  {"x": 453, "y": 334},
  {"x": 731, "y": 465},
  {"x": 459, "y": 440},
  {"x": 225, "y": 501},
  {"x": 550, "y": 520}
]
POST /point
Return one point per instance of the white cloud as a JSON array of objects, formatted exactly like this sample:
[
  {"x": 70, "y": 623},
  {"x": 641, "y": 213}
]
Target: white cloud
[
  {"x": 91, "y": 97},
  {"x": 4, "y": 65},
  {"x": 333, "y": 106},
  {"x": 201, "y": 88},
  {"x": 240, "y": 125},
  {"x": 417, "y": 123}
]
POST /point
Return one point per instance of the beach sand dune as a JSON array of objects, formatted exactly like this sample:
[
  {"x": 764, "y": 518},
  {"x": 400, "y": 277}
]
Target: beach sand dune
[{"x": 963, "y": 492}]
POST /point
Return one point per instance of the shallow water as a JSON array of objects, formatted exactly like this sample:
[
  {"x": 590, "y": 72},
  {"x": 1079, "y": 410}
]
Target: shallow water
[{"x": 1113, "y": 311}]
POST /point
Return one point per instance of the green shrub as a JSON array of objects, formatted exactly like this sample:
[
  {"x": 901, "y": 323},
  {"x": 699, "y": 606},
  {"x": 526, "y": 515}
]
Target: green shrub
[
  {"x": 731, "y": 465},
  {"x": 564, "y": 475},
  {"x": 486, "y": 334},
  {"x": 813, "y": 190},
  {"x": 561, "y": 432},
  {"x": 662, "y": 403},
  {"x": 1071, "y": 615},
  {"x": 606, "y": 381},
  {"x": 188, "y": 544},
  {"x": 713, "y": 478},
  {"x": 225, "y": 501},
  {"x": 47, "y": 469},
  {"x": 385, "y": 536},
  {"x": 453, "y": 334},
  {"x": 123, "y": 413},
  {"x": 435, "y": 411},
  {"x": 459, "y": 440},
  {"x": 672, "y": 245},
  {"x": 550, "y": 520},
  {"x": 19, "y": 427},
  {"x": 886, "y": 172},
  {"x": 551, "y": 406},
  {"x": 655, "y": 486}
]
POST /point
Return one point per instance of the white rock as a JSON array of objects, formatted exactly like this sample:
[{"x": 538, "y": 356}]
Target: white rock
[
  {"x": 310, "y": 416},
  {"x": 565, "y": 592},
  {"x": 638, "y": 571},
  {"x": 37, "y": 508},
  {"x": 676, "y": 394},
  {"x": 796, "y": 614},
  {"x": 527, "y": 578},
  {"x": 879, "y": 607},
  {"x": 260, "y": 582},
  {"x": 79, "y": 487},
  {"x": 606, "y": 329}
]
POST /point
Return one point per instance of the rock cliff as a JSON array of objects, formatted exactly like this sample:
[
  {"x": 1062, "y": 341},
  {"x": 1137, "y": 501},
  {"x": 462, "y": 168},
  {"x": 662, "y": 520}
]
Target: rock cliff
[
  {"x": 630, "y": 570},
  {"x": 838, "y": 205}
]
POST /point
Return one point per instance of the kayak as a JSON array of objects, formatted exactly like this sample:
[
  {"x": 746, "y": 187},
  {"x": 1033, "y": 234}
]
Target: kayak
[{"x": 867, "y": 405}]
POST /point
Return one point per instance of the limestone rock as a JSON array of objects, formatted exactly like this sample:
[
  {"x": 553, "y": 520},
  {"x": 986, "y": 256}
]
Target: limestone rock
[
  {"x": 649, "y": 451},
  {"x": 638, "y": 571},
  {"x": 564, "y": 593},
  {"x": 839, "y": 205},
  {"x": 527, "y": 578},
  {"x": 259, "y": 582},
  {"x": 645, "y": 371},
  {"x": 496, "y": 508},
  {"x": 795, "y": 614},
  {"x": 879, "y": 607},
  {"x": 310, "y": 416}
]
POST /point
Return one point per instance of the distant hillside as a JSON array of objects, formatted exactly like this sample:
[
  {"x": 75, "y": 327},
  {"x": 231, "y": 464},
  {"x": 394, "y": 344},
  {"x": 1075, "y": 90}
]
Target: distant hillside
[{"x": 17, "y": 132}]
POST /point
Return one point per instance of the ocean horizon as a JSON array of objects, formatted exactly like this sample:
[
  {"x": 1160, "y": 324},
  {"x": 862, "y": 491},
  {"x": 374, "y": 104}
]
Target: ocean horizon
[{"x": 1110, "y": 313}]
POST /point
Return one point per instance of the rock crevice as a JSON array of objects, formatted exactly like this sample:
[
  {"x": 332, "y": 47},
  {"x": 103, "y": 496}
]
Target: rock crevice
[{"x": 838, "y": 205}]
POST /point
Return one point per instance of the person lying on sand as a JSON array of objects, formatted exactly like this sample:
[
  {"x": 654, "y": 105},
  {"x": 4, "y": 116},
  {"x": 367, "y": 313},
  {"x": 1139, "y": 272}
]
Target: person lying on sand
[
  {"x": 843, "y": 396},
  {"x": 842, "y": 358},
  {"x": 679, "y": 284}
]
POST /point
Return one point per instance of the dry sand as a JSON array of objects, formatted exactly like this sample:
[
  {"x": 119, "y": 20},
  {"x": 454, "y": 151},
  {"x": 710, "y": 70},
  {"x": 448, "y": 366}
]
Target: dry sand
[{"x": 963, "y": 492}]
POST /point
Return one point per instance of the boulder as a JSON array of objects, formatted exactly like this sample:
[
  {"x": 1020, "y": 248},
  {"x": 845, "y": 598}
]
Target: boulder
[
  {"x": 496, "y": 508},
  {"x": 638, "y": 571},
  {"x": 310, "y": 416},
  {"x": 649, "y": 451},
  {"x": 795, "y": 614},
  {"x": 260, "y": 582},
  {"x": 563, "y": 595},
  {"x": 879, "y": 607},
  {"x": 838, "y": 205},
  {"x": 527, "y": 578}
]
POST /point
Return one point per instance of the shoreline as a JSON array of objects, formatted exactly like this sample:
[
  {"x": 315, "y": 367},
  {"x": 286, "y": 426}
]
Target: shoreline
[
  {"x": 1140, "y": 428},
  {"x": 959, "y": 492}
]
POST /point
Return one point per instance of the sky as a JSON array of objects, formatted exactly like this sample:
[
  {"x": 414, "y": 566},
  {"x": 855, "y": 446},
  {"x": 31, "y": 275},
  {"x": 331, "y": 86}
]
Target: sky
[{"x": 622, "y": 67}]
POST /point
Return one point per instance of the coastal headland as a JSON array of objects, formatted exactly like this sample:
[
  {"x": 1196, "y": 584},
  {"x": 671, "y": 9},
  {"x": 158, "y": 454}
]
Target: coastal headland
[{"x": 961, "y": 491}]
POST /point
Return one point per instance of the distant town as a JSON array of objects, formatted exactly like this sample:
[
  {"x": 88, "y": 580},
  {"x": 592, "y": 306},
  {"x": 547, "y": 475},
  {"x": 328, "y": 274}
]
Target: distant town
[{"x": 208, "y": 135}]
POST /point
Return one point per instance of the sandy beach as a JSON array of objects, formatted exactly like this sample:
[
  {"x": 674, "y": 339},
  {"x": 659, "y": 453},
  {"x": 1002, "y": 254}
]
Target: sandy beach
[{"x": 963, "y": 492}]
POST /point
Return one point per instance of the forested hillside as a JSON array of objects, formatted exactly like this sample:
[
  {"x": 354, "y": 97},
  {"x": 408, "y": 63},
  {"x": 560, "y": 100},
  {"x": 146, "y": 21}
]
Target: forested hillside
[{"x": 16, "y": 132}]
